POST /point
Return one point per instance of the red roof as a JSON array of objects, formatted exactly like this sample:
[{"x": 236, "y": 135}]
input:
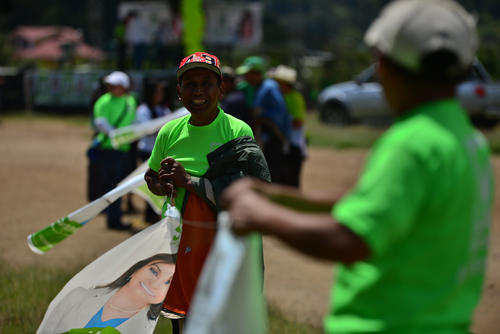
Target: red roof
[
  {"x": 36, "y": 33},
  {"x": 47, "y": 43}
]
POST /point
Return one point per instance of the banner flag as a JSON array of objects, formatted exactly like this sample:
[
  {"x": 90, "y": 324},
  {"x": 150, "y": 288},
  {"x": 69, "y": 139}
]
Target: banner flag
[
  {"x": 143, "y": 191},
  {"x": 193, "y": 18},
  {"x": 123, "y": 290},
  {"x": 131, "y": 133},
  {"x": 46, "y": 238}
]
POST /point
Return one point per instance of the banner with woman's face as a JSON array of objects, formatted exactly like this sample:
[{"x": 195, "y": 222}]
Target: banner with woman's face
[{"x": 122, "y": 290}]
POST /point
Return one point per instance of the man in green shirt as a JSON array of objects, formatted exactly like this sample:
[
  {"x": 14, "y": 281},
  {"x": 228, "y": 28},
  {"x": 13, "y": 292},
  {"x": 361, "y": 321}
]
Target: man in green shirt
[
  {"x": 412, "y": 235},
  {"x": 107, "y": 165},
  {"x": 194, "y": 158},
  {"x": 286, "y": 77}
]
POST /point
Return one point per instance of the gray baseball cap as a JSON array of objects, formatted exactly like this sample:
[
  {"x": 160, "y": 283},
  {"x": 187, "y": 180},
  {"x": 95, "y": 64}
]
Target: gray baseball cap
[{"x": 407, "y": 30}]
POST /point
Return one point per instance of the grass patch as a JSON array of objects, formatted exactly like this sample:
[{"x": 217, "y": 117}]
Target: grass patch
[
  {"x": 278, "y": 324},
  {"x": 320, "y": 134},
  {"x": 26, "y": 293},
  {"x": 79, "y": 119},
  {"x": 493, "y": 137}
]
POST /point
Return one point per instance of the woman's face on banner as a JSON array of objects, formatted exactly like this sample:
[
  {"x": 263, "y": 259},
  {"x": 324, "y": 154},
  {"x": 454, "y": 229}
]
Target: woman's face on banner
[{"x": 152, "y": 281}]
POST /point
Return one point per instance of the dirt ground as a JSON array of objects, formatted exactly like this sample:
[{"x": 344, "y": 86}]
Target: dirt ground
[{"x": 43, "y": 178}]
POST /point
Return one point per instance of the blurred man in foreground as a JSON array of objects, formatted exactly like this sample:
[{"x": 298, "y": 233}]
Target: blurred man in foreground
[{"x": 412, "y": 235}]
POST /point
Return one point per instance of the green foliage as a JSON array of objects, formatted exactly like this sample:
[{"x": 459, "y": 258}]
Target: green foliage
[
  {"x": 5, "y": 50},
  {"x": 291, "y": 29}
]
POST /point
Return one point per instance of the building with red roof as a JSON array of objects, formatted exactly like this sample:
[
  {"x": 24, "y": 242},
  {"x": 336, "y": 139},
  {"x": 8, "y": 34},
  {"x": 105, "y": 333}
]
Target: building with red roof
[{"x": 53, "y": 44}]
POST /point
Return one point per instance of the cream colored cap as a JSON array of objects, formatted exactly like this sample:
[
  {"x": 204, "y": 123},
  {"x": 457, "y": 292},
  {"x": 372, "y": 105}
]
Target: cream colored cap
[
  {"x": 284, "y": 73},
  {"x": 407, "y": 30}
]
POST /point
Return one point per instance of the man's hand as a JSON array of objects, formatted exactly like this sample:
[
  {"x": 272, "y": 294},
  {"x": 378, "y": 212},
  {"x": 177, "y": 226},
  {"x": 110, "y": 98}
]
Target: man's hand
[
  {"x": 171, "y": 172},
  {"x": 158, "y": 187},
  {"x": 246, "y": 206}
]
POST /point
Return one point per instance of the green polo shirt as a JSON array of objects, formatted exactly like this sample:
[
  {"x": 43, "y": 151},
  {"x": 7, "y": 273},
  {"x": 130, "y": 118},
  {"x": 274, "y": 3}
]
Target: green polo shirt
[
  {"x": 423, "y": 206},
  {"x": 119, "y": 112},
  {"x": 296, "y": 105},
  {"x": 249, "y": 91}
]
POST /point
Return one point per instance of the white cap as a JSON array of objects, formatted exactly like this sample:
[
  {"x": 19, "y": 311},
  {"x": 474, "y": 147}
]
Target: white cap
[
  {"x": 118, "y": 78},
  {"x": 228, "y": 71},
  {"x": 284, "y": 73},
  {"x": 407, "y": 30}
]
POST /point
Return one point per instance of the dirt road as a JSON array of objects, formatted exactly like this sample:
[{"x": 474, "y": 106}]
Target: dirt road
[{"x": 43, "y": 178}]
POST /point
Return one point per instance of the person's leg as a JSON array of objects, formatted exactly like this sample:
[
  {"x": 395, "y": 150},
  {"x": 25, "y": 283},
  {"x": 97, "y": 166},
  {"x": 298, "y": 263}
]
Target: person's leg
[
  {"x": 114, "y": 216},
  {"x": 176, "y": 326},
  {"x": 131, "y": 157},
  {"x": 150, "y": 215},
  {"x": 273, "y": 152},
  {"x": 292, "y": 167},
  {"x": 115, "y": 163}
]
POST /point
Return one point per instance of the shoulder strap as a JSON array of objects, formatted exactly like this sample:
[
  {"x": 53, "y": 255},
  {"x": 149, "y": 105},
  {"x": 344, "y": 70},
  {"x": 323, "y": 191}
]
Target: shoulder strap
[{"x": 123, "y": 113}]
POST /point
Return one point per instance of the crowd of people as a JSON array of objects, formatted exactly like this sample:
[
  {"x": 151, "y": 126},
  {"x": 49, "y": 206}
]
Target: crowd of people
[
  {"x": 410, "y": 238},
  {"x": 267, "y": 101},
  {"x": 138, "y": 42},
  {"x": 186, "y": 155}
]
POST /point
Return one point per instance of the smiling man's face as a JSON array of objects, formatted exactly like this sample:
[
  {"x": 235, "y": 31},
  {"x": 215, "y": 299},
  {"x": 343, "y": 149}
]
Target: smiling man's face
[{"x": 199, "y": 90}]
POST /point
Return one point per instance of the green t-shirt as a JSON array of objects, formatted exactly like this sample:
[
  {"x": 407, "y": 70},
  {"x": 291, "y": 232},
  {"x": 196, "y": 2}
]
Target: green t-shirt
[
  {"x": 296, "y": 105},
  {"x": 119, "y": 112},
  {"x": 423, "y": 205},
  {"x": 249, "y": 91},
  {"x": 189, "y": 144}
]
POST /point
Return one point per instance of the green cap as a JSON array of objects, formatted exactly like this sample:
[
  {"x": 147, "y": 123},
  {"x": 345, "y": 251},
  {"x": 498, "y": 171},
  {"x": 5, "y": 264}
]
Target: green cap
[{"x": 252, "y": 63}]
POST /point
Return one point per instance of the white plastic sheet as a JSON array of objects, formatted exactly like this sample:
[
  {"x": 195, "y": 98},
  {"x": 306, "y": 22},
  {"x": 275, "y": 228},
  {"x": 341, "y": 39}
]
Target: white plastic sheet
[{"x": 229, "y": 297}]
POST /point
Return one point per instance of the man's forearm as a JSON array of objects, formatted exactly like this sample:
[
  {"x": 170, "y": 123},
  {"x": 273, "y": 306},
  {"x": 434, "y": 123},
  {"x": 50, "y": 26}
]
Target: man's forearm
[
  {"x": 294, "y": 199},
  {"x": 315, "y": 234}
]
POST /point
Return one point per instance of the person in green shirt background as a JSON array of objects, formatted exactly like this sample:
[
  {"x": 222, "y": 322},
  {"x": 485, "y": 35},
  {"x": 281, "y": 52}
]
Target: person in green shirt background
[
  {"x": 296, "y": 105},
  {"x": 411, "y": 237},
  {"x": 107, "y": 165}
]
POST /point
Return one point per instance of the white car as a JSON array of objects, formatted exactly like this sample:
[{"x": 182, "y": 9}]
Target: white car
[{"x": 362, "y": 99}]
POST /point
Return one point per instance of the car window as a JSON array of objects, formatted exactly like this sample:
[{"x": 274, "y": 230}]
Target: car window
[
  {"x": 368, "y": 75},
  {"x": 478, "y": 72}
]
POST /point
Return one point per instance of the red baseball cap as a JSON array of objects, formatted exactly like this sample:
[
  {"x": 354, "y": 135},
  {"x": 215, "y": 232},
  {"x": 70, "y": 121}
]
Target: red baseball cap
[{"x": 199, "y": 60}]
